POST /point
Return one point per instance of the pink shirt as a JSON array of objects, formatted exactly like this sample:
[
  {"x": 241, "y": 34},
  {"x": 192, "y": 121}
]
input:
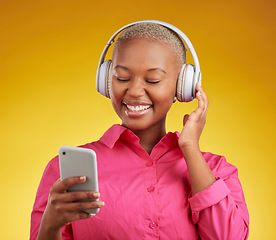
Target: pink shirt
[{"x": 149, "y": 196}]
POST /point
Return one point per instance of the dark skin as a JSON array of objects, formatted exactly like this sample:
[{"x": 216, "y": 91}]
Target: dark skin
[{"x": 144, "y": 74}]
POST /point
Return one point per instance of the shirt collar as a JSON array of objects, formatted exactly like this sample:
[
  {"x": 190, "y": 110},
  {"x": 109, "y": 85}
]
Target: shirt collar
[{"x": 113, "y": 134}]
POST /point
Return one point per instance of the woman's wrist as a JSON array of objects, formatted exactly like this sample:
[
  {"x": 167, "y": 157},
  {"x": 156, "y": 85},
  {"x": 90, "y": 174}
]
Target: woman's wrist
[
  {"x": 189, "y": 148},
  {"x": 47, "y": 230}
]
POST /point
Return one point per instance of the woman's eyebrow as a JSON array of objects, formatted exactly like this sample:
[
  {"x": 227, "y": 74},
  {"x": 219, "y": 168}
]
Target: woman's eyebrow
[
  {"x": 120, "y": 66},
  {"x": 157, "y": 69},
  {"x": 151, "y": 69}
]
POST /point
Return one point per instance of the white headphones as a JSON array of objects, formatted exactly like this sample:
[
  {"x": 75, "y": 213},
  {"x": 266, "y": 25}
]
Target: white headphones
[{"x": 188, "y": 77}]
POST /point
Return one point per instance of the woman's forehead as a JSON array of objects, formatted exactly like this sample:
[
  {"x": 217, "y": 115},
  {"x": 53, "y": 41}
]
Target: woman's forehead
[
  {"x": 143, "y": 47},
  {"x": 146, "y": 53}
]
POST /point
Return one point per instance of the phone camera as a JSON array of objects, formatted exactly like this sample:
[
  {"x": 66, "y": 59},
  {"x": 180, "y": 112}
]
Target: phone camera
[{"x": 63, "y": 153}]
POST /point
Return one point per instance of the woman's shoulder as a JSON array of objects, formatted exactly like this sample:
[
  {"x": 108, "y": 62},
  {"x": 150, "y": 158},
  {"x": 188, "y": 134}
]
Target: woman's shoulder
[{"x": 218, "y": 164}]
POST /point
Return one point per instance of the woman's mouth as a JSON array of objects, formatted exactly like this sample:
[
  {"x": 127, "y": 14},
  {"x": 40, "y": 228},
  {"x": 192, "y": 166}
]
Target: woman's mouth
[{"x": 136, "y": 110}]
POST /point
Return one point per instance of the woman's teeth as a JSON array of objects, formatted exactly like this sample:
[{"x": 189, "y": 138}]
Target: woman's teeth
[{"x": 138, "y": 108}]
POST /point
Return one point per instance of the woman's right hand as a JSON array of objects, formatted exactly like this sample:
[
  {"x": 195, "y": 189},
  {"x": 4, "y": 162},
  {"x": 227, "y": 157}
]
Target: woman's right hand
[{"x": 63, "y": 207}]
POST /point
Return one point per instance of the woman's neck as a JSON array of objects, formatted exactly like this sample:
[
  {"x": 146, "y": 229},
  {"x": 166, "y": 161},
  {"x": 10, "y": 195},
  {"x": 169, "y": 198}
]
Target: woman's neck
[{"x": 150, "y": 137}]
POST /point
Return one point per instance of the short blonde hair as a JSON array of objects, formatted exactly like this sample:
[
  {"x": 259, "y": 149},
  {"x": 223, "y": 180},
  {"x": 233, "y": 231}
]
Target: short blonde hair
[{"x": 157, "y": 32}]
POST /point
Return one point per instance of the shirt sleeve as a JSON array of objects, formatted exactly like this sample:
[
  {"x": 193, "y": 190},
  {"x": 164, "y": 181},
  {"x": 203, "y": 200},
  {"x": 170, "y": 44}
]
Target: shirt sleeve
[
  {"x": 220, "y": 210},
  {"x": 50, "y": 176}
]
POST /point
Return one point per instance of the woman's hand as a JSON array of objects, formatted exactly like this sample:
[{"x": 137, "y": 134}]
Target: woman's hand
[
  {"x": 63, "y": 207},
  {"x": 193, "y": 124}
]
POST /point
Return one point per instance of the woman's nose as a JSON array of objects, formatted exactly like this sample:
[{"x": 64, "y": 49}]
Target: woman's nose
[{"x": 136, "y": 88}]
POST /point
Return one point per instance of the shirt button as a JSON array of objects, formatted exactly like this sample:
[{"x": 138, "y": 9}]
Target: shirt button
[
  {"x": 149, "y": 164},
  {"x": 151, "y": 189},
  {"x": 153, "y": 225}
]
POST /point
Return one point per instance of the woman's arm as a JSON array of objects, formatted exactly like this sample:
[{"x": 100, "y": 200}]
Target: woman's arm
[
  {"x": 200, "y": 174},
  {"x": 218, "y": 205}
]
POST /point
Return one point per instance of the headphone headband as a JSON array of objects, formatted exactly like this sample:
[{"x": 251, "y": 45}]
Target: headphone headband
[{"x": 183, "y": 37}]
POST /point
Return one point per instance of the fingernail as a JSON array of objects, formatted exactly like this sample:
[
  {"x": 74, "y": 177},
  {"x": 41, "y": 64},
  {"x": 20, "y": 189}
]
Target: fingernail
[
  {"x": 82, "y": 178},
  {"x": 101, "y": 204},
  {"x": 96, "y": 195},
  {"x": 92, "y": 214}
]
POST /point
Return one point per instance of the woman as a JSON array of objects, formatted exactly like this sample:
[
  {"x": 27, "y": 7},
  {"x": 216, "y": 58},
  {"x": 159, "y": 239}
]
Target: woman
[{"x": 153, "y": 184}]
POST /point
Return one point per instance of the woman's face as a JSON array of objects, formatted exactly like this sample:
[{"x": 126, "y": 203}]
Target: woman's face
[{"x": 143, "y": 86}]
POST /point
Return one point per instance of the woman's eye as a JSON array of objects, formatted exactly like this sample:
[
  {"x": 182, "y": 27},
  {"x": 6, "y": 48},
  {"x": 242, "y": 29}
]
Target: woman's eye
[
  {"x": 152, "y": 81},
  {"x": 122, "y": 79}
]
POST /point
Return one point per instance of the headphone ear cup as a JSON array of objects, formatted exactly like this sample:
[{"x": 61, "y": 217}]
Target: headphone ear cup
[
  {"x": 105, "y": 78},
  {"x": 184, "y": 89}
]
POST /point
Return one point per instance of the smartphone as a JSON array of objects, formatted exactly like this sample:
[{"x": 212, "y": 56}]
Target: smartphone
[{"x": 76, "y": 161}]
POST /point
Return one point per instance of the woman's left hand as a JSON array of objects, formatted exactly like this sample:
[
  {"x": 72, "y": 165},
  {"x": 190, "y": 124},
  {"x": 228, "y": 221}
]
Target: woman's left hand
[{"x": 193, "y": 124}]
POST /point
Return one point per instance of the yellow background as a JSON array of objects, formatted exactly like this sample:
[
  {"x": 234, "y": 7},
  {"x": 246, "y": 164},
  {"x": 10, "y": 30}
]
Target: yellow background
[{"x": 49, "y": 52}]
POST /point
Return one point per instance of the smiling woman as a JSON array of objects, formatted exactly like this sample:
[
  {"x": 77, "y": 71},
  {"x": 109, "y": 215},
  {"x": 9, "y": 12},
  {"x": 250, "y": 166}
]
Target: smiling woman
[
  {"x": 153, "y": 184},
  {"x": 148, "y": 86}
]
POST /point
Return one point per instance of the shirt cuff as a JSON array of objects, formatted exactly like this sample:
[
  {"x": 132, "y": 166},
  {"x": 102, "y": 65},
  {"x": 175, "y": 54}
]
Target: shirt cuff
[{"x": 207, "y": 198}]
